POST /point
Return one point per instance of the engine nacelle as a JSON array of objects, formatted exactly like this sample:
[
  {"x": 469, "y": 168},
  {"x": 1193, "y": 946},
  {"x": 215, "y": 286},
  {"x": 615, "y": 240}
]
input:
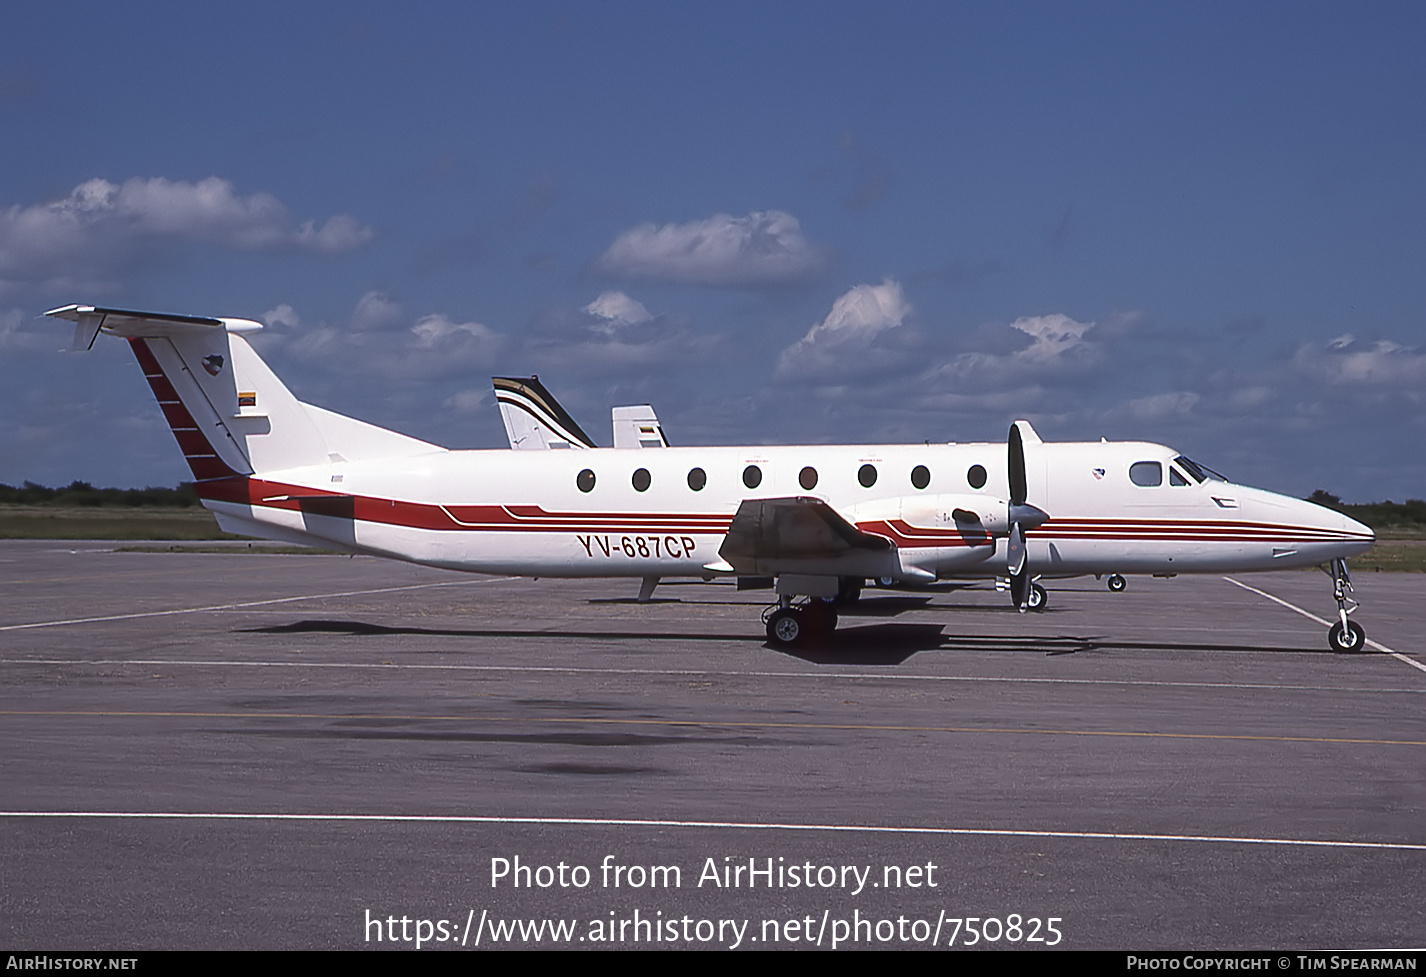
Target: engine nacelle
[{"x": 968, "y": 513}]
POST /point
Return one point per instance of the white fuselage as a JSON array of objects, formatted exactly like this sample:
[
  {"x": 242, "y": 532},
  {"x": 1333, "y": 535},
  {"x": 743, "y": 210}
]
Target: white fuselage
[{"x": 528, "y": 513}]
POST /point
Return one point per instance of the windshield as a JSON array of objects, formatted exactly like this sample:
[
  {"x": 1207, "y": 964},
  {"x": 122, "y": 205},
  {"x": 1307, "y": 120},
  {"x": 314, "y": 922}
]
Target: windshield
[{"x": 1200, "y": 472}]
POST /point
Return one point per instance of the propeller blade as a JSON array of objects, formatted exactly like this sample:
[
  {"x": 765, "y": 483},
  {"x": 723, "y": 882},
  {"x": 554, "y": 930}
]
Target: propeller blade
[
  {"x": 1020, "y": 590},
  {"x": 1015, "y": 552},
  {"x": 1018, "y": 487},
  {"x": 1015, "y": 560}
]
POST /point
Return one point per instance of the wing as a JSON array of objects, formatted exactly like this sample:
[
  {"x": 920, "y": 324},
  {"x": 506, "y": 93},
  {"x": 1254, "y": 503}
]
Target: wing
[{"x": 802, "y": 535}]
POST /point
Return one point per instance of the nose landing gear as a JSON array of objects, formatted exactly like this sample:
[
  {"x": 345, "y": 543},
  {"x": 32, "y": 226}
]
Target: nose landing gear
[{"x": 1345, "y": 635}]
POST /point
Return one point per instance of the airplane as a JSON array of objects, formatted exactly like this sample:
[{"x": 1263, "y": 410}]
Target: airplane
[
  {"x": 818, "y": 519},
  {"x": 535, "y": 420}
]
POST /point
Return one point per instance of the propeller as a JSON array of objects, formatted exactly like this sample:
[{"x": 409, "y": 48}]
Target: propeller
[{"x": 1022, "y": 516}]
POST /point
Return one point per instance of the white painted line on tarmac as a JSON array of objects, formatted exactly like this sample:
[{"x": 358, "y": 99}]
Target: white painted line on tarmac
[
  {"x": 868, "y": 676},
  {"x": 735, "y": 825},
  {"x": 1326, "y": 624},
  {"x": 239, "y": 606}
]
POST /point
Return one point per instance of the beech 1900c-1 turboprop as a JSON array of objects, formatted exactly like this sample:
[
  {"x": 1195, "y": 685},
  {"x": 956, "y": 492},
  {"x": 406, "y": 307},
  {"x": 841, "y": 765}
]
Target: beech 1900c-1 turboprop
[{"x": 818, "y": 519}]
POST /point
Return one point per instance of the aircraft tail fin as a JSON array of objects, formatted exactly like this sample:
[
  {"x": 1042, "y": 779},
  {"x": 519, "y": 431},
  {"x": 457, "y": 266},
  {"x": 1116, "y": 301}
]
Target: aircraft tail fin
[
  {"x": 534, "y": 420},
  {"x": 228, "y": 411},
  {"x": 637, "y": 427}
]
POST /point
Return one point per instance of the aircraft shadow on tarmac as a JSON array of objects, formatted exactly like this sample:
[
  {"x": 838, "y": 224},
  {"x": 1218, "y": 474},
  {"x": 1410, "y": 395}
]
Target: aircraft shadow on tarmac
[{"x": 881, "y": 644}]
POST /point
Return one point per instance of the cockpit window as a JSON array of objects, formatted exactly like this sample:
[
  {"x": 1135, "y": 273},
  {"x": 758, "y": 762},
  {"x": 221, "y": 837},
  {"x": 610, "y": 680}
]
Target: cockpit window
[
  {"x": 1199, "y": 472},
  {"x": 1146, "y": 473}
]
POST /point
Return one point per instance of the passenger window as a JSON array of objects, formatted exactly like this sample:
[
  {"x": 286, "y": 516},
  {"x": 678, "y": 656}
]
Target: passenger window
[
  {"x": 976, "y": 476},
  {"x": 641, "y": 480},
  {"x": 752, "y": 476},
  {"x": 866, "y": 475},
  {"x": 807, "y": 478},
  {"x": 1146, "y": 473},
  {"x": 585, "y": 481},
  {"x": 1175, "y": 478},
  {"x": 920, "y": 476},
  {"x": 697, "y": 478}
]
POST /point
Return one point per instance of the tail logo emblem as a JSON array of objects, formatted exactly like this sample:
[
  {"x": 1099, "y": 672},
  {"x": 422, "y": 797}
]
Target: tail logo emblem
[{"x": 213, "y": 364}]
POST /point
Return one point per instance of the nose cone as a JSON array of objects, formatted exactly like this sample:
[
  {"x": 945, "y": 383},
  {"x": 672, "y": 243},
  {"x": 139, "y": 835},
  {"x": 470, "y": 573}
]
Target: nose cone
[{"x": 1348, "y": 536}]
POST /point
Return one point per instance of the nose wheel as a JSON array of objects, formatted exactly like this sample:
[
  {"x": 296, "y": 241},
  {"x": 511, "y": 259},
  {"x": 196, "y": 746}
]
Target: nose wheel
[
  {"x": 1350, "y": 639},
  {"x": 1038, "y": 598},
  {"x": 1116, "y": 583}
]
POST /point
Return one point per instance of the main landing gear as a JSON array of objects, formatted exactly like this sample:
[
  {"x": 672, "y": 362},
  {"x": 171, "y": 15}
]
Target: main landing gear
[
  {"x": 1345, "y": 635},
  {"x": 792, "y": 625},
  {"x": 1116, "y": 583}
]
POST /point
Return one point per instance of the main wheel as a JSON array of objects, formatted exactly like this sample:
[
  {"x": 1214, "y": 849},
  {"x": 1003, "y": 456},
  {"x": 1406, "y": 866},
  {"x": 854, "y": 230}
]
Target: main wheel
[
  {"x": 1117, "y": 583},
  {"x": 1037, "y": 598},
  {"x": 1351, "y": 639},
  {"x": 785, "y": 628}
]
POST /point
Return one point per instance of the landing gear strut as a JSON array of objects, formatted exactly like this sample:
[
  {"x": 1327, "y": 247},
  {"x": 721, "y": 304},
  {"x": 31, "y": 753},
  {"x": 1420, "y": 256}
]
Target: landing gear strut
[{"x": 1345, "y": 635}]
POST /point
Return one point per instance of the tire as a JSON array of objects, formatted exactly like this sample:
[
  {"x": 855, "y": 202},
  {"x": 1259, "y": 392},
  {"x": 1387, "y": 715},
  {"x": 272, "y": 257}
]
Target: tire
[
  {"x": 785, "y": 628},
  {"x": 1352, "y": 640},
  {"x": 1117, "y": 583},
  {"x": 1038, "y": 598}
]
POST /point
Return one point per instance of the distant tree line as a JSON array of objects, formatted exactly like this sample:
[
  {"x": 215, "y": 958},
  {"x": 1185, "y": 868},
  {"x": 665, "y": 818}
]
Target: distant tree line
[
  {"x": 83, "y": 494},
  {"x": 1377, "y": 515}
]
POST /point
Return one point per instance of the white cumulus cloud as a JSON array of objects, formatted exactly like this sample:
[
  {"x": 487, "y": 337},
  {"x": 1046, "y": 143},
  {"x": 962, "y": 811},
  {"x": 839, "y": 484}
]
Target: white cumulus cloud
[
  {"x": 380, "y": 338},
  {"x": 844, "y": 338},
  {"x": 439, "y": 330},
  {"x": 616, "y": 309},
  {"x": 1348, "y": 362},
  {"x": 1163, "y": 406},
  {"x": 760, "y": 249},
  {"x": 102, "y": 226},
  {"x": 1053, "y": 335},
  {"x": 1059, "y": 346}
]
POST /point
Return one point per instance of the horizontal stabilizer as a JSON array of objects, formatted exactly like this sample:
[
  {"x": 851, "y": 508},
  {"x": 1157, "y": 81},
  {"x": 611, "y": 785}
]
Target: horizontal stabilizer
[{"x": 89, "y": 319}]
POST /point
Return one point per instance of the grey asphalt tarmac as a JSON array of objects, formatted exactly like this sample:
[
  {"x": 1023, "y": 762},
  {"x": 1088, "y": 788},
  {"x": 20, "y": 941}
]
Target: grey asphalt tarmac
[{"x": 282, "y": 751}]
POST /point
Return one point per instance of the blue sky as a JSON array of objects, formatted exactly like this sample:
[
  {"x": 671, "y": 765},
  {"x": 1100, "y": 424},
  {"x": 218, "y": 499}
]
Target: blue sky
[{"x": 1199, "y": 224}]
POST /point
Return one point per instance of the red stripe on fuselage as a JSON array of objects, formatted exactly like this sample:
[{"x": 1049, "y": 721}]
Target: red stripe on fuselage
[
  {"x": 523, "y": 518},
  {"x": 203, "y": 460},
  {"x": 905, "y": 535}
]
